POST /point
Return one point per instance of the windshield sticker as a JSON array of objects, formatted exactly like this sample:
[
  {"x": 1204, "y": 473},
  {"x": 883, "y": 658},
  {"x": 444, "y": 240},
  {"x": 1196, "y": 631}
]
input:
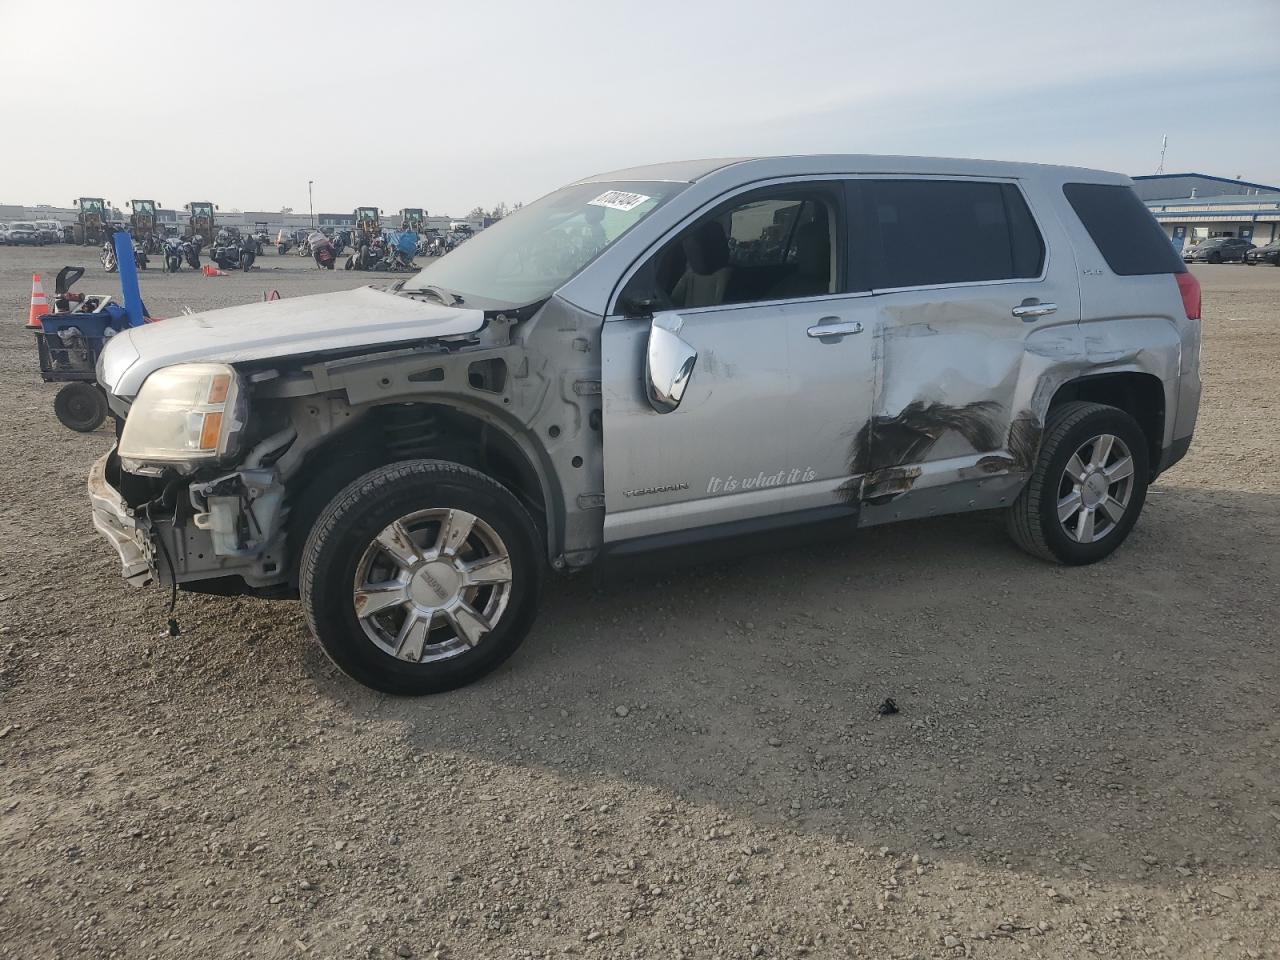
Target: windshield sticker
[{"x": 618, "y": 200}]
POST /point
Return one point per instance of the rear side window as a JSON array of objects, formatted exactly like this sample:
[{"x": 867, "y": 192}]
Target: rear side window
[
  {"x": 1124, "y": 231},
  {"x": 925, "y": 232}
]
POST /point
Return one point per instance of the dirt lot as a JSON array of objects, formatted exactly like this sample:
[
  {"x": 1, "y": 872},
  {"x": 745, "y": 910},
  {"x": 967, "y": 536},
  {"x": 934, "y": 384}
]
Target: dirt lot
[{"x": 1086, "y": 761}]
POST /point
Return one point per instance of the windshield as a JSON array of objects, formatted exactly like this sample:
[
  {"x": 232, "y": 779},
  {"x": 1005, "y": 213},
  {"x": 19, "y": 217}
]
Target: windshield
[
  {"x": 526, "y": 256},
  {"x": 22, "y": 226},
  {"x": 92, "y": 206},
  {"x": 143, "y": 206}
]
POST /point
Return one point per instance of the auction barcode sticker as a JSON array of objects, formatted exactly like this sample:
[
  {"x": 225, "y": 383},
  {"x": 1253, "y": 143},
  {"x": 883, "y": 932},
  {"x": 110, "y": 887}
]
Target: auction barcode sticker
[{"x": 619, "y": 200}]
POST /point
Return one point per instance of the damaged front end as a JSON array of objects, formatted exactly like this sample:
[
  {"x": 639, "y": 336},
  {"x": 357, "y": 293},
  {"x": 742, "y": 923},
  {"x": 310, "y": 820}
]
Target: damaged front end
[{"x": 171, "y": 529}]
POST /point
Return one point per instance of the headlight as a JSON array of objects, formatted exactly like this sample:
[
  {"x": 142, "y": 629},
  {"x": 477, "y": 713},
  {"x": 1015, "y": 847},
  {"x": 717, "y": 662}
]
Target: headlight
[{"x": 184, "y": 415}]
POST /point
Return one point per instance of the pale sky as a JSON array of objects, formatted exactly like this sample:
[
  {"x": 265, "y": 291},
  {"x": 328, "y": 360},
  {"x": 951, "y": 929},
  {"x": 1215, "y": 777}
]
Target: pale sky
[{"x": 466, "y": 102}]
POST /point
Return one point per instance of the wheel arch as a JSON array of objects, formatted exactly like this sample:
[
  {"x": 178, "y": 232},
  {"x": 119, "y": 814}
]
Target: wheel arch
[
  {"x": 1138, "y": 393},
  {"x": 411, "y": 430}
]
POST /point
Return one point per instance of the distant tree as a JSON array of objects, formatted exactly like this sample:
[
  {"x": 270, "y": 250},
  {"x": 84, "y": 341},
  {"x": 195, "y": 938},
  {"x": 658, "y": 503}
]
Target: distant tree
[
  {"x": 500, "y": 211},
  {"x": 476, "y": 213},
  {"x": 286, "y": 209}
]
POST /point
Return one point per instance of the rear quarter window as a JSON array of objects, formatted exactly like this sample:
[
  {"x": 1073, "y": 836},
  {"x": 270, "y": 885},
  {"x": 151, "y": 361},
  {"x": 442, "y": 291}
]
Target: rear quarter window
[{"x": 1123, "y": 229}]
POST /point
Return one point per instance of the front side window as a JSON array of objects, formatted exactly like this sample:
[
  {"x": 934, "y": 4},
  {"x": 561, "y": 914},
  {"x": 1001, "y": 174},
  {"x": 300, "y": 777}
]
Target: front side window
[
  {"x": 780, "y": 243},
  {"x": 927, "y": 232},
  {"x": 527, "y": 255}
]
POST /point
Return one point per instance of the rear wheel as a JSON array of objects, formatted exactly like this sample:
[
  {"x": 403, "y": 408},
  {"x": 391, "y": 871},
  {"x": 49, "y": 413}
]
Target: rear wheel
[
  {"x": 80, "y": 406},
  {"x": 1087, "y": 488},
  {"x": 421, "y": 576}
]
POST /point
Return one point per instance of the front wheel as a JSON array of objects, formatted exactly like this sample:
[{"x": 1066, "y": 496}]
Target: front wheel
[
  {"x": 1087, "y": 488},
  {"x": 80, "y": 406},
  {"x": 421, "y": 576}
]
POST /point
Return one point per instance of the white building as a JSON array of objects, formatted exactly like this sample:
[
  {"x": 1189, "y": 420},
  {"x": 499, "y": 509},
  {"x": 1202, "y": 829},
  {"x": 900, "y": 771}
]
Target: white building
[{"x": 1195, "y": 206}]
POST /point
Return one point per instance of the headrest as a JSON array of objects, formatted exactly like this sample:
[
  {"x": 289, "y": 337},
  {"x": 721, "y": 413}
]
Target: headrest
[{"x": 707, "y": 249}]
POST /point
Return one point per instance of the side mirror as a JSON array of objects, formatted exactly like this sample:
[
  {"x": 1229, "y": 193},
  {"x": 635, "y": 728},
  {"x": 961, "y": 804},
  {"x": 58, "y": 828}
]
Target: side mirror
[{"x": 668, "y": 363}]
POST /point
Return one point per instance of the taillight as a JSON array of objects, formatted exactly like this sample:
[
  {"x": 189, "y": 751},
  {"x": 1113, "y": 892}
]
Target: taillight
[{"x": 1189, "y": 287}]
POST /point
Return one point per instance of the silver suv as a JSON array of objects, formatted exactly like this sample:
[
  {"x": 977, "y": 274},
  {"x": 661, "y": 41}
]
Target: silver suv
[{"x": 649, "y": 358}]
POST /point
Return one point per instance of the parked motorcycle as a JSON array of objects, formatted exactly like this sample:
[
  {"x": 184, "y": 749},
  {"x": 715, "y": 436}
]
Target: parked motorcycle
[
  {"x": 368, "y": 254},
  {"x": 322, "y": 251},
  {"x": 191, "y": 251},
  {"x": 230, "y": 252},
  {"x": 109, "y": 263},
  {"x": 283, "y": 242},
  {"x": 172, "y": 254}
]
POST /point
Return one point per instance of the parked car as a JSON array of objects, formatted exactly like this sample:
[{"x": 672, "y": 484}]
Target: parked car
[
  {"x": 1218, "y": 250},
  {"x": 4, "y": 234},
  {"x": 650, "y": 359},
  {"x": 24, "y": 232},
  {"x": 50, "y": 230},
  {"x": 1268, "y": 254}
]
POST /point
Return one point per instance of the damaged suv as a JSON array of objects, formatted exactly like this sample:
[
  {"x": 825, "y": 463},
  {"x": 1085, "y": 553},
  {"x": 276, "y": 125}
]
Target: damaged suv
[{"x": 650, "y": 358}]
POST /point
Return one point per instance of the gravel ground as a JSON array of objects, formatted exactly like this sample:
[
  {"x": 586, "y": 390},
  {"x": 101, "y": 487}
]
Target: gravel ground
[{"x": 1086, "y": 761}]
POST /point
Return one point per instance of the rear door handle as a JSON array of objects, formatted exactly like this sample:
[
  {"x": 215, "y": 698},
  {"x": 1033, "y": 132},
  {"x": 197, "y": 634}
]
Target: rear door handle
[
  {"x": 1030, "y": 309},
  {"x": 834, "y": 327}
]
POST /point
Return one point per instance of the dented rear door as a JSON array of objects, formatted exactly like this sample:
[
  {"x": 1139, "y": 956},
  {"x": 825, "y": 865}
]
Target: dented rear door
[{"x": 976, "y": 297}]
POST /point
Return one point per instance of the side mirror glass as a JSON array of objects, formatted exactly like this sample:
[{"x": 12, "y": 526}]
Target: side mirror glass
[{"x": 668, "y": 363}]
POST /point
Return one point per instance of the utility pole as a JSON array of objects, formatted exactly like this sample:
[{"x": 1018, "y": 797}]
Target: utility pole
[
  {"x": 311, "y": 204},
  {"x": 1164, "y": 145}
]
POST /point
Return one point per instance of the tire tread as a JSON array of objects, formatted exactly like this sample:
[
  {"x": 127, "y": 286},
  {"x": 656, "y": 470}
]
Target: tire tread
[{"x": 1023, "y": 518}]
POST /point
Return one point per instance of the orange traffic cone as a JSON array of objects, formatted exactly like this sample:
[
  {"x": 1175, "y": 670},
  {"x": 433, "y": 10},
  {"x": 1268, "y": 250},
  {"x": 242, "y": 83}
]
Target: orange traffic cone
[{"x": 39, "y": 303}]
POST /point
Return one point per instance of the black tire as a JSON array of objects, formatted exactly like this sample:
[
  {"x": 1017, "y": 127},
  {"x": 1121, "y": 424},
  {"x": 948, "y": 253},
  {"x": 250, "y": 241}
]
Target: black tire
[
  {"x": 1248, "y": 263},
  {"x": 351, "y": 522},
  {"x": 1033, "y": 522},
  {"x": 81, "y": 407}
]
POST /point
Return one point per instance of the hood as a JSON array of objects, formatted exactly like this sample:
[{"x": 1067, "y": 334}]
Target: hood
[{"x": 323, "y": 323}]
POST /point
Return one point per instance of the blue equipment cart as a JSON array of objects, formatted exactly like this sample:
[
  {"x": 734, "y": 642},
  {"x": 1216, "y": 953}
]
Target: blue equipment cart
[{"x": 70, "y": 339}]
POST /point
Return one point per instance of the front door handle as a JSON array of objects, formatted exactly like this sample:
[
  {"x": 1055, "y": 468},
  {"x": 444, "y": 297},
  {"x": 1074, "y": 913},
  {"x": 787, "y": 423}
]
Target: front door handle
[
  {"x": 834, "y": 327},
  {"x": 1031, "y": 308}
]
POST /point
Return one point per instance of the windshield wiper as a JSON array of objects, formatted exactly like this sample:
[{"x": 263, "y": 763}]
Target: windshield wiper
[{"x": 441, "y": 294}]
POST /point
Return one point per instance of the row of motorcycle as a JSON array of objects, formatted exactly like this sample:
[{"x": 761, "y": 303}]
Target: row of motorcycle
[
  {"x": 376, "y": 253},
  {"x": 228, "y": 252}
]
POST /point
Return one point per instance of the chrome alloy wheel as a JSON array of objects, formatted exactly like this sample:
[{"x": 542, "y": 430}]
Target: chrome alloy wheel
[
  {"x": 1095, "y": 488},
  {"x": 432, "y": 584}
]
